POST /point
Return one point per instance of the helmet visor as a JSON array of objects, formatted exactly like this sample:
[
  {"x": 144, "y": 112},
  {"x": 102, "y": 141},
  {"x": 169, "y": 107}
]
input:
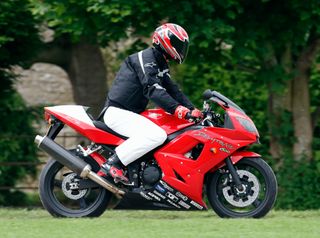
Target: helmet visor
[{"x": 180, "y": 46}]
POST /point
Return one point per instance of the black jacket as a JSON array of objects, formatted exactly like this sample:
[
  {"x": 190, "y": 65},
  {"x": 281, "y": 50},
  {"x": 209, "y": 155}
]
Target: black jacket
[{"x": 145, "y": 76}]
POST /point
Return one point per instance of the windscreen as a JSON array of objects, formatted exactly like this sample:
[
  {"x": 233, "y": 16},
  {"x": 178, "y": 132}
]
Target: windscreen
[{"x": 227, "y": 100}]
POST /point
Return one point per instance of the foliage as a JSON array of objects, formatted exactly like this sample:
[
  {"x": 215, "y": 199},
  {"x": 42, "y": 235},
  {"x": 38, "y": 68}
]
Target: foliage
[
  {"x": 299, "y": 185},
  {"x": 17, "y": 43},
  {"x": 18, "y": 36}
]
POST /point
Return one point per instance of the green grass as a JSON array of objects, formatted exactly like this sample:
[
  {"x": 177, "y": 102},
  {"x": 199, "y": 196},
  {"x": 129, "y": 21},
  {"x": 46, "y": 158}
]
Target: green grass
[{"x": 116, "y": 223}]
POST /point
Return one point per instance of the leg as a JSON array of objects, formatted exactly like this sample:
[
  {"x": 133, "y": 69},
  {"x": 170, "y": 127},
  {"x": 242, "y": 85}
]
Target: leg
[{"x": 144, "y": 135}]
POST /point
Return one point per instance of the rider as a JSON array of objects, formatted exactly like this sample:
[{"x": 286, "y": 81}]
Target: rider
[{"x": 143, "y": 76}]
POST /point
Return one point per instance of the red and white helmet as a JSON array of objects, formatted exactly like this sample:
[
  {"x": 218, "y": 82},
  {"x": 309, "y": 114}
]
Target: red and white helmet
[{"x": 172, "y": 40}]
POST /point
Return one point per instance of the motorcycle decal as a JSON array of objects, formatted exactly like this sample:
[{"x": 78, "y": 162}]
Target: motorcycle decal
[
  {"x": 184, "y": 198},
  {"x": 159, "y": 194},
  {"x": 164, "y": 193},
  {"x": 160, "y": 189},
  {"x": 166, "y": 186},
  {"x": 172, "y": 197},
  {"x": 145, "y": 196},
  {"x": 196, "y": 205},
  {"x": 154, "y": 196},
  {"x": 183, "y": 204},
  {"x": 172, "y": 203},
  {"x": 224, "y": 150},
  {"x": 213, "y": 140}
]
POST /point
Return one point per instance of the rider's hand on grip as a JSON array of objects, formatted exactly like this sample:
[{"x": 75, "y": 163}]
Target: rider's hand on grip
[
  {"x": 195, "y": 115},
  {"x": 181, "y": 112}
]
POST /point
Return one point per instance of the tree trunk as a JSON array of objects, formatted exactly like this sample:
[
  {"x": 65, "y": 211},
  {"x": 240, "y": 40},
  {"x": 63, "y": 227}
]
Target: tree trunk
[
  {"x": 302, "y": 118},
  {"x": 85, "y": 67},
  {"x": 88, "y": 76},
  {"x": 278, "y": 103},
  {"x": 302, "y": 121}
]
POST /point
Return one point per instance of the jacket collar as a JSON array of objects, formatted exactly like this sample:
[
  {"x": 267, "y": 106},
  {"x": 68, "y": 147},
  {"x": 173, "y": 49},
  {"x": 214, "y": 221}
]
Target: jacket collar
[{"x": 160, "y": 58}]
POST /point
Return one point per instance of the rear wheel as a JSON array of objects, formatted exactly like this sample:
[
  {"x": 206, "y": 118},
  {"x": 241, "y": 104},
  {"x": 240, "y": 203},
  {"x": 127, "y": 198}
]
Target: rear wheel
[
  {"x": 60, "y": 195},
  {"x": 254, "y": 199}
]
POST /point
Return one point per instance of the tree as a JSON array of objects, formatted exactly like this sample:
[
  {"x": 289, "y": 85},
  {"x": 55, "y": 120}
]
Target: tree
[
  {"x": 275, "y": 43},
  {"x": 18, "y": 40},
  {"x": 81, "y": 28},
  {"x": 285, "y": 45}
]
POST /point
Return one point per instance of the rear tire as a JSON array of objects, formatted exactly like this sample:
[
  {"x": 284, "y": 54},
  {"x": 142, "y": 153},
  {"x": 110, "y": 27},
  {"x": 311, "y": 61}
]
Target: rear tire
[
  {"x": 256, "y": 200},
  {"x": 92, "y": 202}
]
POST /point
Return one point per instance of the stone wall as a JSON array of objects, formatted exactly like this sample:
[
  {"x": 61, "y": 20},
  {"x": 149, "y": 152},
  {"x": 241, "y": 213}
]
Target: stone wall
[
  {"x": 44, "y": 84},
  {"x": 47, "y": 85}
]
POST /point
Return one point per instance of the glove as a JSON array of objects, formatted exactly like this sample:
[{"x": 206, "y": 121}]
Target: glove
[
  {"x": 181, "y": 112},
  {"x": 196, "y": 113},
  {"x": 194, "y": 116}
]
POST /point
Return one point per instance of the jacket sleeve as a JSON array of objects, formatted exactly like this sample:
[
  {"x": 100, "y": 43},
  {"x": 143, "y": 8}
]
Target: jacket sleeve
[
  {"x": 152, "y": 86},
  {"x": 173, "y": 89}
]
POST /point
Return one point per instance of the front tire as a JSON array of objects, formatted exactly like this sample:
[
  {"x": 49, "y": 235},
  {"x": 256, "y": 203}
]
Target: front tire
[
  {"x": 255, "y": 199},
  {"x": 60, "y": 201}
]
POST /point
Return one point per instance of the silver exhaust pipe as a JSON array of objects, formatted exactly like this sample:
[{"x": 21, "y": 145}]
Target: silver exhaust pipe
[{"x": 73, "y": 163}]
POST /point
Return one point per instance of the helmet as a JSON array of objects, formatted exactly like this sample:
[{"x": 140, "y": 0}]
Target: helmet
[{"x": 172, "y": 40}]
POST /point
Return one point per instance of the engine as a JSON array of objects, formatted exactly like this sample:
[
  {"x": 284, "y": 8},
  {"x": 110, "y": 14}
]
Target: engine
[{"x": 150, "y": 174}]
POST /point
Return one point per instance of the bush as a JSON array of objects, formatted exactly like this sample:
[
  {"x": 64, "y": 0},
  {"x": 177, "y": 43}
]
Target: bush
[
  {"x": 298, "y": 185},
  {"x": 18, "y": 40}
]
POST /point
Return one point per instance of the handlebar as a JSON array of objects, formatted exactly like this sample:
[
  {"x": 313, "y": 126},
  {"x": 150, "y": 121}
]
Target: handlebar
[{"x": 190, "y": 118}]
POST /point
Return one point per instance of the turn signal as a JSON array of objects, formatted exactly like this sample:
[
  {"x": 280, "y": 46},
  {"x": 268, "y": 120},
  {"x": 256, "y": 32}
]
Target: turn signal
[{"x": 213, "y": 150}]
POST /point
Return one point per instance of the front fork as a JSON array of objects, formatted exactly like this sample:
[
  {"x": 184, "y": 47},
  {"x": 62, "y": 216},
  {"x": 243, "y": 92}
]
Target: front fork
[{"x": 234, "y": 174}]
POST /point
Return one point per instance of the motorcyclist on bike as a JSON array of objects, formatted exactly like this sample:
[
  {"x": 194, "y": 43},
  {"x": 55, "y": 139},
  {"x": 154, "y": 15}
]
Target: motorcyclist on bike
[{"x": 145, "y": 76}]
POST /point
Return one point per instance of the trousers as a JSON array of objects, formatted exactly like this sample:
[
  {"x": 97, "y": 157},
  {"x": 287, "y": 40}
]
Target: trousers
[{"x": 143, "y": 135}]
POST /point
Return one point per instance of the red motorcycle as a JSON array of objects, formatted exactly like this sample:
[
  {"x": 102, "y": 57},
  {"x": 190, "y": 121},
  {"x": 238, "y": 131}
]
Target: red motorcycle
[{"x": 208, "y": 157}]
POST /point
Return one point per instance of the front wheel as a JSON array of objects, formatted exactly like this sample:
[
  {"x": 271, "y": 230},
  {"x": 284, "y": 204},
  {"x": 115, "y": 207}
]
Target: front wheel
[{"x": 255, "y": 199}]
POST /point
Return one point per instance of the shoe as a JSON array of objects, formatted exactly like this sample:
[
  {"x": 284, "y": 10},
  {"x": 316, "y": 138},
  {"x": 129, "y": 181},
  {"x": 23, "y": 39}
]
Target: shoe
[{"x": 112, "y": 168}]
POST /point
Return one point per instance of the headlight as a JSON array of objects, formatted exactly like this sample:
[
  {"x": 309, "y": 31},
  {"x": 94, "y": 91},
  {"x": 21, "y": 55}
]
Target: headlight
[{"x": 248, "y": 125}]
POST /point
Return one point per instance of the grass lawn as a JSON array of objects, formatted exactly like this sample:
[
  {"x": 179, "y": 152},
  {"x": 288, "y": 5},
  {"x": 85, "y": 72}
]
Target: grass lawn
[{"x": 118, "y": 223}]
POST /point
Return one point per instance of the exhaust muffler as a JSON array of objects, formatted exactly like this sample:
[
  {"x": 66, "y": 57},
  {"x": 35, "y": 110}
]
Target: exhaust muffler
[{"x": 73, "y": 163}]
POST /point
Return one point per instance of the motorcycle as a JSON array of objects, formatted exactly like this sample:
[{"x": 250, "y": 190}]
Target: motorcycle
[{"x": 207, "y": 157}]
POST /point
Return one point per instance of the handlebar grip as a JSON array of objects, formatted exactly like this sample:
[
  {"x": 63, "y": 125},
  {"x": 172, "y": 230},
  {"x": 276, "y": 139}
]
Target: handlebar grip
[{"x": 191, "y": 118}]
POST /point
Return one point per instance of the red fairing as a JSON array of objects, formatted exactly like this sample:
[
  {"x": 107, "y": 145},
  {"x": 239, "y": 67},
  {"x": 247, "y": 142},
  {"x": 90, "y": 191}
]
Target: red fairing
[
  {"x": 85, "y": 129},
  {"x": 165, "y": 120},
  {"x": 187, "y": 175},
  {"x": 238, "y": 155}
]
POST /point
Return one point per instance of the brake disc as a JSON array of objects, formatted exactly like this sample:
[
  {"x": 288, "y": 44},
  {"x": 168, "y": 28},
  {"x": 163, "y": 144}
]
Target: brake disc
[
  {"x": 70, "y": 187},
  {"x": 249, "y": 194}
]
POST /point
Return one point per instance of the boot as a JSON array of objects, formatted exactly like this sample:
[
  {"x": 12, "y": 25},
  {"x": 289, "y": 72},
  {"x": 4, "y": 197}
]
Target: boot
[{"x": 113, "y": 168}]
